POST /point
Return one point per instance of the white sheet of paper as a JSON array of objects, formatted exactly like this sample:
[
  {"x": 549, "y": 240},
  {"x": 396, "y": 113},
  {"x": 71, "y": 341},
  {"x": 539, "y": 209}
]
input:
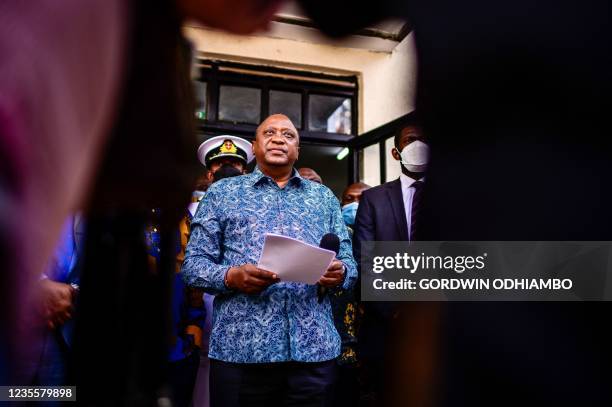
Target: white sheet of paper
[{"x": 294, "y": 260}]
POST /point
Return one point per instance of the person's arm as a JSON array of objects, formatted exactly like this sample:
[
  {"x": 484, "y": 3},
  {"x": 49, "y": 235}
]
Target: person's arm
[{"x": 202, "y": 267}]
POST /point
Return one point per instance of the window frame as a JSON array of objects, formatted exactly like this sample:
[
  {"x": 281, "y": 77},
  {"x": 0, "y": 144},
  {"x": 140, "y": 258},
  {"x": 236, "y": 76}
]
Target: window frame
[
  {"x": 270, "y": 78},
  {"x": 239, "y": 85}
]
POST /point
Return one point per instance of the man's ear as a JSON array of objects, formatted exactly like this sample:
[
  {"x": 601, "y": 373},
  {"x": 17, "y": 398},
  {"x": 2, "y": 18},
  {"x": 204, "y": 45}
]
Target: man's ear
[
  {"x": 395, "y": 153},
  {"x": 209, "y": 175}
]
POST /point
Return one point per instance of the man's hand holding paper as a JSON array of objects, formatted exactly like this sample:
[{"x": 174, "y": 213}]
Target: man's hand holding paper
[
  {"x": 294, "y": 260},
  {"x": 249, "y": 279}
]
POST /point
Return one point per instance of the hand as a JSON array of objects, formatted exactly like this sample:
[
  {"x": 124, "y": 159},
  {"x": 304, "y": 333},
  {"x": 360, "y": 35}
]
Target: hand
[
  {"x": 56, "y": 299},
  {"x": 334, "y": 275},
  {"x": 249, "y": 279}
]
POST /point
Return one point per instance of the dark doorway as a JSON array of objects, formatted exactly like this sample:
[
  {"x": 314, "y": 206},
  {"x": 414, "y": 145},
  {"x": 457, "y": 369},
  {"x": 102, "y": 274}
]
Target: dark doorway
[{"x": 323, "y": 160}]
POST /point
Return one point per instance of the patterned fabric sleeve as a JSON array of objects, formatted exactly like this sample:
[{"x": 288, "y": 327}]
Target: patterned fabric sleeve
[{"x": 202, "y": 267}]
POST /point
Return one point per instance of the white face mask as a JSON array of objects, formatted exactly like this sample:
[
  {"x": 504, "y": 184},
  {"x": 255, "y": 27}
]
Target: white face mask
[{"x": 415, "y": 156}]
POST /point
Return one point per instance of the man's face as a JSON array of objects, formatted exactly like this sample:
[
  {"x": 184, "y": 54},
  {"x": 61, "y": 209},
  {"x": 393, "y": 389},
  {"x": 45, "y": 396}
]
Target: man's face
[
  {"x": 352, "y": 193},
  {"x": 277, "y": 143},
  {"x": 217, "y": 163},
  {"x": 409, "y": 135}
]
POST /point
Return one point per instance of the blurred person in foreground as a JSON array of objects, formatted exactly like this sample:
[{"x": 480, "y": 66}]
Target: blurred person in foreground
[
  {"x": 57, "y": 296},
  {"x": 65, "y": 124},
  {"x": 310, "y": 174},
  {"x": 507, "y": 165},
  {"x": 273, "y": 342},
  {"x": 389, "y": 212},
  {"x": 54, "y": 117}
]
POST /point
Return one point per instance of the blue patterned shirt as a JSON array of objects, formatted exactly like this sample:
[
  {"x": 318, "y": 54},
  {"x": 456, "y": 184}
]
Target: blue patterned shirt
[{"x": 285, "y": 321}]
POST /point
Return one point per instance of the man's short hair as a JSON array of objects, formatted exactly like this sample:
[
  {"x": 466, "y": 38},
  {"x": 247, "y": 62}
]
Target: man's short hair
[{"x": 398, "y": 134}]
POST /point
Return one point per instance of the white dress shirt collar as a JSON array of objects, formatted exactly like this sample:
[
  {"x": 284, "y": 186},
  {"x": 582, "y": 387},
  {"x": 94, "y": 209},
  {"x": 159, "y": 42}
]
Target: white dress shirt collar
[{"x": 407, "y": 181}]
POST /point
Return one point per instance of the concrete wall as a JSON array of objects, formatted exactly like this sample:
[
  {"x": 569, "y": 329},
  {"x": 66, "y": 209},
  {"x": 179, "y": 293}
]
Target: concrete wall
[{"x": 386, "y": 80}]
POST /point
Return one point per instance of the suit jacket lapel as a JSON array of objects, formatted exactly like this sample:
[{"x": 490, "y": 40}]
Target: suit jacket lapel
[{"x": 394, "y": 192}]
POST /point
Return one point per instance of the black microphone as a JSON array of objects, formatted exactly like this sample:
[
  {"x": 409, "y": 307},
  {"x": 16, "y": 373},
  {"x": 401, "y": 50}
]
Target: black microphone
[{"x": 329, "y": 241}]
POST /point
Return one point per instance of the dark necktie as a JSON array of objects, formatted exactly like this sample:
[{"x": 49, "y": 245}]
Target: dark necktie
[{"x": 416, "y": 206}]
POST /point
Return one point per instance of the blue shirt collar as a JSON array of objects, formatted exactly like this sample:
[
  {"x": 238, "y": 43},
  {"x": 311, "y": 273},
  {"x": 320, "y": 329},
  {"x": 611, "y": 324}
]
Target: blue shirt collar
[{"x": 257, "y": 176}]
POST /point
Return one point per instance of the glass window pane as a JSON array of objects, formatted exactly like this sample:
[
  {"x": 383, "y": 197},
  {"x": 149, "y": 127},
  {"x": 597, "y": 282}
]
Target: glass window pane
[
  {"x": 239, "y": 105},
  {"x": 330, "y": 114},
  {"x": 200, "y": 89},
  {"x": 394, "y": 168},
  {"x": 370, "y": 157},
  {"x": 287, "y": 103}
]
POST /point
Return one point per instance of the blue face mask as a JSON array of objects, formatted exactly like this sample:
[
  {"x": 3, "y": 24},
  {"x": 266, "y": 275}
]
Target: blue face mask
[{"x": 349, "y": 212}]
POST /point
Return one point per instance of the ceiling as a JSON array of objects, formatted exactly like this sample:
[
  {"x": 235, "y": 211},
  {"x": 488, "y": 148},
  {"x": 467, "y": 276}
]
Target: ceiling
[{"x": 291, "y": 23}]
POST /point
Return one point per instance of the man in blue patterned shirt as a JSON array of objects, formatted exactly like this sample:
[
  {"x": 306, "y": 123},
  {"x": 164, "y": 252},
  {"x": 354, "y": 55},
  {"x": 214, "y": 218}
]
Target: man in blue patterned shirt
[{"x": 272, "y": 341}]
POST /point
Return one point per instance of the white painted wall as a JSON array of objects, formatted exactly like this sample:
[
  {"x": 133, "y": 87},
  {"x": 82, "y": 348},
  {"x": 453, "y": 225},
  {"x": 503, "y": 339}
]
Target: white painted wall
[{"x": 386, "y": 79}]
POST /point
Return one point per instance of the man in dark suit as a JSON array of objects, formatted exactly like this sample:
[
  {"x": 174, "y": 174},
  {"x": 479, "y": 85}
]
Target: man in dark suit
[
  {"x": 374, "y": 221},
  {"x": 388, "y": 212}
]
